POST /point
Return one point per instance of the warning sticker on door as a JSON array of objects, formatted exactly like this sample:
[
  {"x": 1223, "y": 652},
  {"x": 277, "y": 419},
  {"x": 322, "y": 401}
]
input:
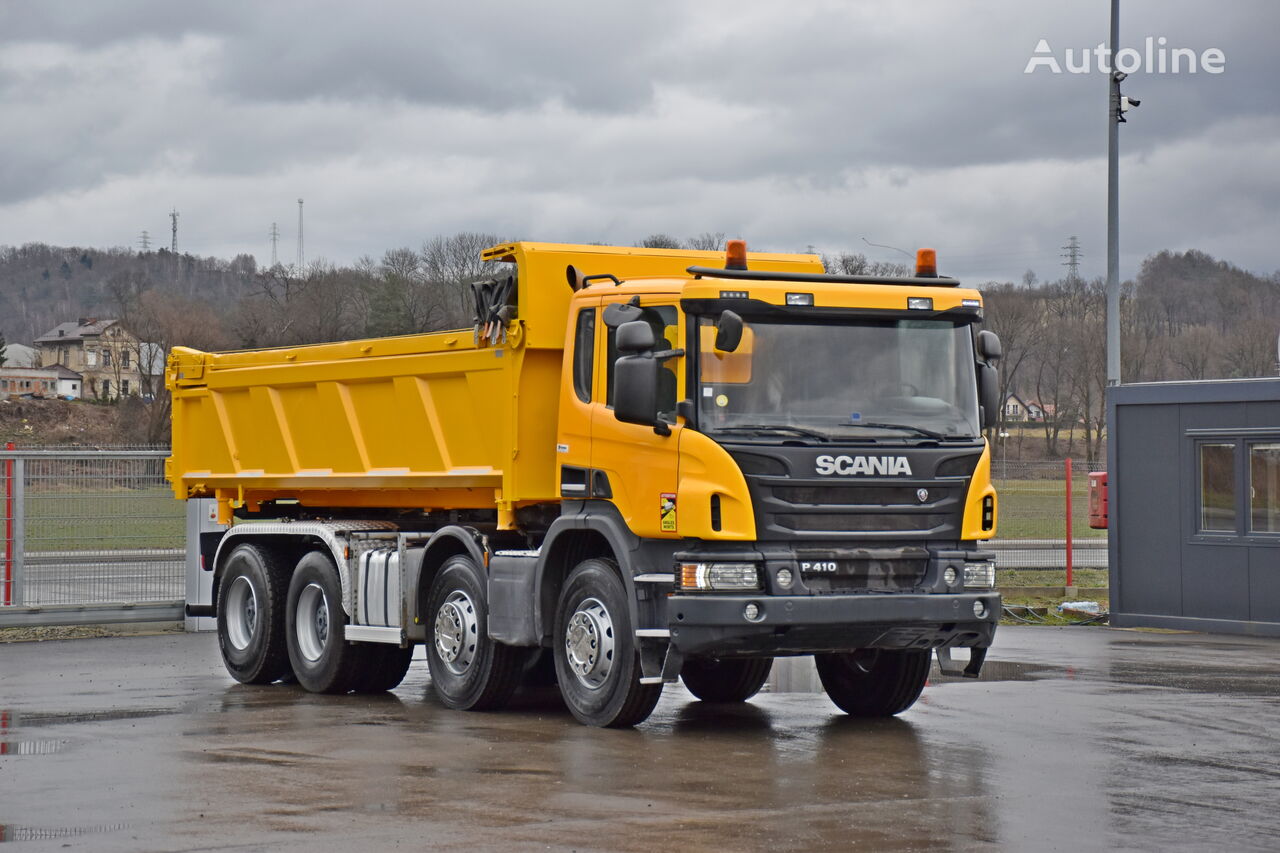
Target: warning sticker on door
[{"x": 668, "y": 513}]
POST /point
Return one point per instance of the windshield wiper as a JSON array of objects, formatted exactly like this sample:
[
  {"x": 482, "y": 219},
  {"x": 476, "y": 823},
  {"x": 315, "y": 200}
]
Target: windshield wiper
[
  {"x": 928, "y": 433},
  {"x": 766, "y": 429}
]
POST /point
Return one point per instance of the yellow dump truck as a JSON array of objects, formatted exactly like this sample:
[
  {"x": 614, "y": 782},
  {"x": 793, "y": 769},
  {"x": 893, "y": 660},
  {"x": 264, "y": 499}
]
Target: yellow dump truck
[{"x": 639, "y": 465}]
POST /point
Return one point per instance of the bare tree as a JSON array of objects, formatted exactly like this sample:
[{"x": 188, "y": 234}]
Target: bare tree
[
  {"x": 661, "y": 241},
  {"x": 707, "y": 241}
]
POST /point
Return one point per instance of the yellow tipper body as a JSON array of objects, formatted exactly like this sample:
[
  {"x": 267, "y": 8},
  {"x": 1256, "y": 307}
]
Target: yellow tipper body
[{"x": 433, "y": 421}]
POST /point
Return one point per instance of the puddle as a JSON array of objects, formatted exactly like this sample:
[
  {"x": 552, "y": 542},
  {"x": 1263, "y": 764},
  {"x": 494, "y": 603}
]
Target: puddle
[
  {"x": 15, "y": 832},
  {"x": 12, "y": 719},
  {"x": 31, "y": 747}
]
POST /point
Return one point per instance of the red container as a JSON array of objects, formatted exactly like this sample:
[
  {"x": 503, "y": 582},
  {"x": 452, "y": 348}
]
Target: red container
[{"x": 1098, "y": 500}]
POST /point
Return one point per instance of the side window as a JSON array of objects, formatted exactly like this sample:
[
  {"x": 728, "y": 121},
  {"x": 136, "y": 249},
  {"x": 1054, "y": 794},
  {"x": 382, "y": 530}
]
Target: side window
[
  {"x": 1264, "y": 487},
  {"x": 665, "y": 320},
  {"x": 584, "y": 348},
  {"x": 1217, "y": 487}
]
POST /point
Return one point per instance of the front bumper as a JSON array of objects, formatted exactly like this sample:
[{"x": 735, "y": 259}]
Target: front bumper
[{"x": 714, "y": 624}]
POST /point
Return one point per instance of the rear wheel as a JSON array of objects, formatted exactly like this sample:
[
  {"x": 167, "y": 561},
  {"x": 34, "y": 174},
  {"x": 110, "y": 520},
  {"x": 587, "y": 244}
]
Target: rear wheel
[
  {"x": 597, "y": 661},
  {"x": 323, "y": 660},
  {"x": 251, "y": 615},
  {"x": 874, "y": 682},
  {"x": 725, "y": 680},
  {"x": 470, "y": 672}
]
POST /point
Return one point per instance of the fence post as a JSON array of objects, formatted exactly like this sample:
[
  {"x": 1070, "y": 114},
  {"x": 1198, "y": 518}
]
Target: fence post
[
  {"x": 19, "y": 518},
  {"x": 1070, "y": 540},
  {"x": 6, "y": 583}
]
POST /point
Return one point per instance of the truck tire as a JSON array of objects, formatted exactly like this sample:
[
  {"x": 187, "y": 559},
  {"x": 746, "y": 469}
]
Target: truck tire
[
  {"x": 383, "y": 669},
  {"x": 874, "y": 682},
  {"x": 725, "y": 680},
  {"x": 251, "y": 615},
  {"x": 469, "y": 671},
  {"x": 597, "y": 659},
  {"x": 322, "y": 659}
]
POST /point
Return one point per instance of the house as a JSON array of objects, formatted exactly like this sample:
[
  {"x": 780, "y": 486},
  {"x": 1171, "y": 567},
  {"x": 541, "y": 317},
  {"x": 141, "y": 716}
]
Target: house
[
  {"x": 1018, "y": 410},
  {"x": 103, "y": 352},
  {"x": 18, "y": 355},
  {"x": 55, "y": 381}
]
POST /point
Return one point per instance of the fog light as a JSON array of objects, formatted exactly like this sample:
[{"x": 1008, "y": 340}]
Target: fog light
[
  {"x": 979, "y": 609},
  {"x": 980, "y": 575},
  {"x": 719, "y": 576},
  {"x": 949, "y": 575},
  {"x": 784, "y": 577},
  {"x": 751, "y": 612}
]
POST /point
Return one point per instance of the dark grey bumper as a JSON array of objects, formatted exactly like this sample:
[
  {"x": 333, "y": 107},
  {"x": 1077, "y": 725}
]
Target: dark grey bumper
[{"x": 714, "y": 624}]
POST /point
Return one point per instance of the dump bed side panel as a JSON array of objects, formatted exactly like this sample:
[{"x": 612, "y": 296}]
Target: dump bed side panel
[{"x": 425, "y": 421}]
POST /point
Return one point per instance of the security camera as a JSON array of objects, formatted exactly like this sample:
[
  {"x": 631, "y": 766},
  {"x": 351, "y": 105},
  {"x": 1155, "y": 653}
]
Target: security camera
[
  {"x": 1119, "y": 76},
  {"x": 1127, "y": 103}
]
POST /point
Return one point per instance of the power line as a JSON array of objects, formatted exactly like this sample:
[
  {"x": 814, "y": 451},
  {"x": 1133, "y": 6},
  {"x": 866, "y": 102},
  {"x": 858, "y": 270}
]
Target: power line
[
  {"x": 1072, "y": 254},
  {"x": 275, "y": 239}
]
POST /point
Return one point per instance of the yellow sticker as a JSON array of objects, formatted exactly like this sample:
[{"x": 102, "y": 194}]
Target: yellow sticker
[
  {"x": 668, "y": 512},
  {"x": 722, "y": 401}
]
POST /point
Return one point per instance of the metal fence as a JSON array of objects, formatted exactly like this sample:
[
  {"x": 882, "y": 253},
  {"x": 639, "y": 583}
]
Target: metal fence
[
  {"x": 1033, "y": 526},
  {"x": 89, "y": 536},
  {"x": 96, "y": 536}
]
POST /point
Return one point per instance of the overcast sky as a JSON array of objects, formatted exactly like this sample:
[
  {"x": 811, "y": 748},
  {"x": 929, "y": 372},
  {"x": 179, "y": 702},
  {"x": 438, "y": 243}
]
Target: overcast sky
[{"x": 789, "y": 124}]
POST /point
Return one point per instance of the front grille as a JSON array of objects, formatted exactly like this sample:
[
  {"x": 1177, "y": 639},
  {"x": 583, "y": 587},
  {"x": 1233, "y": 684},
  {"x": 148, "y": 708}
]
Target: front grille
[
  {"x": 858, "y": 495},
  {"x": 873, "y": 522}
]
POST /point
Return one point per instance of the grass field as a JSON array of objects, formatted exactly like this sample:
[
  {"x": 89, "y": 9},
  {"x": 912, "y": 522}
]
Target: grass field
[
  {"x": 104, "y": 520},
  {"x": 1037, "y": 509}
]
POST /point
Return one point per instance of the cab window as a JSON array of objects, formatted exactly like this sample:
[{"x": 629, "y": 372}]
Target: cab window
[{"x": 665, "y": 320}]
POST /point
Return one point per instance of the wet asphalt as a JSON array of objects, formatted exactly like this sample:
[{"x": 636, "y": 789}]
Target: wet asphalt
[{"x": 1075, "y": 738}]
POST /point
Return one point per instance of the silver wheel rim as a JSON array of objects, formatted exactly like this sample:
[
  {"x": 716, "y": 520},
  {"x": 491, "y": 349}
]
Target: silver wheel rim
[
  {"x": 588, "y": 643},
  {"x": 457, "y": 632},
  {"x": 311, "y": 622},
  {"x": 242, "y": 613}
]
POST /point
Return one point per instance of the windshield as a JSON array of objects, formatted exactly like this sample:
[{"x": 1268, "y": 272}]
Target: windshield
[{"x": 867, "y": 379}]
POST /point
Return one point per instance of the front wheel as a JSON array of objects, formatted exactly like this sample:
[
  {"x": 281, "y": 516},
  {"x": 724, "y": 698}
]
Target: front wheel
[
  {"x": 597, "y": 661},
  {"x": 725, "y": 680},
  {"x": 470, "y": 672},
  {"x": 874, "y": 682}
]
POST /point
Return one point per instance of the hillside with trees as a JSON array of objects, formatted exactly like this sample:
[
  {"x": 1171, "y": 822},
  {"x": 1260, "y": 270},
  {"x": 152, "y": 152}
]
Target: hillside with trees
[{"x": 1187, "y": 315}]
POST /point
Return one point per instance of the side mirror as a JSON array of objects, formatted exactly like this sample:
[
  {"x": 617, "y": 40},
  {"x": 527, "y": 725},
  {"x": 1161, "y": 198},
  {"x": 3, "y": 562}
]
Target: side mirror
[
  {"x": 728, "y": 331},
  {"x": 989, "y": 349},
  {"x": 635, "y": 336},
  {"x": 989, "y": 395},
  {"x": 635, "y": 398}
]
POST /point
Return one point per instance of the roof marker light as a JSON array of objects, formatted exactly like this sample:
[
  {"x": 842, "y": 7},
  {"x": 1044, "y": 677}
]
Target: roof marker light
[
  {"x": 799, "y": 298},
  {"x": 920, "y": 303},
  {"x": 926, "y": 263},
  {"x": 735, "y": 255}
]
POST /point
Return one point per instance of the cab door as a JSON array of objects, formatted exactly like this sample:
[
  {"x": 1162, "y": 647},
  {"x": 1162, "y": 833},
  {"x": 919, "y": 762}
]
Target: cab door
[
  {"x": 639, "y": 465},
  {"x": 582, "y": 384}
]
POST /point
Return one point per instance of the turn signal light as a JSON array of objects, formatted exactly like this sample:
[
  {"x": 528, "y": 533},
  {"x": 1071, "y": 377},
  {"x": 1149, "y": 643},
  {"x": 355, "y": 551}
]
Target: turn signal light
[
  {"x": 926, "y": 263},
  {"x": 735, "y": 255}
]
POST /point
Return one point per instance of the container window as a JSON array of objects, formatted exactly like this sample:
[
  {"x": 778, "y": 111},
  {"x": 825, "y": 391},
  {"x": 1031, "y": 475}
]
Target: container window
[
  {"x": 1217, "y": 488},
  {"x": 584, "y": 347},
  {"x": 1264, "y": 488}
]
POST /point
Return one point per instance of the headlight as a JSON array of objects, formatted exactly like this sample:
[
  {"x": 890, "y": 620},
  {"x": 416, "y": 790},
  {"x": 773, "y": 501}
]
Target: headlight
[
  {"x": 719, "y": 576},
  {"x": 980, "y": 575}
]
